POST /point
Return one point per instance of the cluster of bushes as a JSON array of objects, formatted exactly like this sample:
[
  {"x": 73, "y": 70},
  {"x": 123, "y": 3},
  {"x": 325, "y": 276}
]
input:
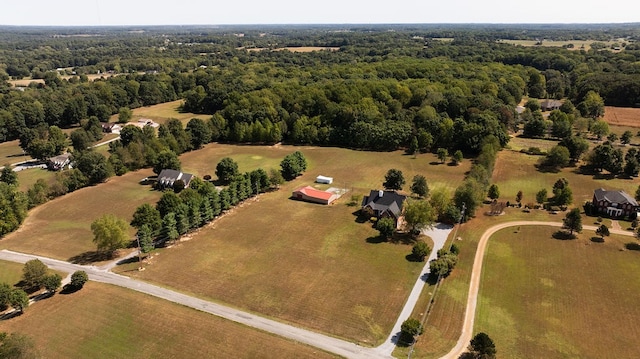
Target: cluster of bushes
[{"x": 445, "y": 262}]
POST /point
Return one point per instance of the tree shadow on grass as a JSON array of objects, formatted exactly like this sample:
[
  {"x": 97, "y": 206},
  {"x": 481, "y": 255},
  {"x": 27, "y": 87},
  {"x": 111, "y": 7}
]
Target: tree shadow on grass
[
  {"x": 360, "y": 218},
  {"x": 597, "y": 239},
  {"x": 563, "y": 235},
  {"x": 69, "y": 289},
  {"x": 632, "y": 246},
  {"x": 90, "y": 257},
  {"x": 376, "y": 240},
  {"x": 11, "y": 314},
  {"x": 413, "y": 258}
]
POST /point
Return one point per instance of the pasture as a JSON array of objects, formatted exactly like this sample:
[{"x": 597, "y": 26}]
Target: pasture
[
  {"x": 27, "y": 178},
  {"x": 161, "y": 113},
  {"x": 104, "y": 321},
  {"x": 10, "y": 272},
  {"x": 61, "y": 228},
  {"x": 304, "y": 263},
  {"x": 547, "y": 298}
]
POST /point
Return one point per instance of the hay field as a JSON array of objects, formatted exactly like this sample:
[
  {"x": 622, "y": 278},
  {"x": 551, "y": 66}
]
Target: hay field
[
  {"x": 546, "y": 298},
  {"x": 307, "y": 264},
  {"x": 103, "y": 321},
  {"x": 622, "y": 116}
]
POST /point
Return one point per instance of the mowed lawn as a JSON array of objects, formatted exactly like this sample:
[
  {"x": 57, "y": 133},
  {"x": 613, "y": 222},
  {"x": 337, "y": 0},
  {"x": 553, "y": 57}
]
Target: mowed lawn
[
  {"x": 61, "y": 228},
  {"x": 104, "y": 321},
  {"x": 515, "y": 171},
  {"x": 10, "y": 152},
  {"x": 546, "y": 298},
  {"x": 304, "y": 263}
]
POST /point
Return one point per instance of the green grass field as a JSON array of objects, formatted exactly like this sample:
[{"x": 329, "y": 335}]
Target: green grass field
[
  {"x": 162, "y": 112},
  {"x": 27, "y": 178},
  {"x": 516, "y": 172},
  {"x": 10, "y": 272},
  {"x": 546, "y": 298},
  {"x": 103, "y": 321}
]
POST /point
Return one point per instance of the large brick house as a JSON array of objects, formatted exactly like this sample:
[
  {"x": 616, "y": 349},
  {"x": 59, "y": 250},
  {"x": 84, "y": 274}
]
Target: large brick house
[{"x": 614, "y": 204}]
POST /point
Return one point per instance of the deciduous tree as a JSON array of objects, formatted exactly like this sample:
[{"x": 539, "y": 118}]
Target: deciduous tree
[
  {"x": 573, "y": 221},
  {"x": 34, "y": 272},
  {"x": 418, "y": 214},
  {"x": 18, "y": 299},
  {"x": 386, "y": 226},
  {"x": 226, "y": 170},
  {"x": 482, "y": 347},
  {"x": 419, "y": 186},
  {"x": 79, "y": 278},
  {"x": 393, "y": 180},
  {"x": 109, "y": 233},
  {"x": 420, "y": 251}
]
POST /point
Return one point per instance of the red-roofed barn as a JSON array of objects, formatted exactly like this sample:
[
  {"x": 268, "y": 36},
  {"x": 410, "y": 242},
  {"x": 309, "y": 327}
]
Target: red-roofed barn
[{"x": 311, "y": 194}]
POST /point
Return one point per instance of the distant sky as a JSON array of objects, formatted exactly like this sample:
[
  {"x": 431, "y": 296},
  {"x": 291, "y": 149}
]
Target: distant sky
[{"x": 218, "y": 12}]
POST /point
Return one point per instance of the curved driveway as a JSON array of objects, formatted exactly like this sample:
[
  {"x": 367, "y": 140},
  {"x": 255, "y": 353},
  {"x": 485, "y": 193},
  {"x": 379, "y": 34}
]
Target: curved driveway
[{"x": 474, "y": 285}]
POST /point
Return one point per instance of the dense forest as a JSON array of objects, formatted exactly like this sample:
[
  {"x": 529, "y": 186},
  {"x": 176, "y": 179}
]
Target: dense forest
[
  {"x": 377, "y": 88},
  {"x": 422, "y": 88}
]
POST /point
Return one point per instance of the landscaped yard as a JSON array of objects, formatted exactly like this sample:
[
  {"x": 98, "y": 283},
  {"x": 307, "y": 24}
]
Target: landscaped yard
[
  {"x": 515, "y": 172},
  {"x": 10, "y": 152},
  {"x": 547, "y": 298},
  {"x": 104, "y": 321}
]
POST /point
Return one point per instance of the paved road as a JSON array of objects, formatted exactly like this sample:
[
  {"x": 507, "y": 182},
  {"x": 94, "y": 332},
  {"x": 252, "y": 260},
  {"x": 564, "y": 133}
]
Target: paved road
[
  {"x": 474, "y": 285},
  {"x": 439, "y": 234},
  {"x": 333, "y": 345}
]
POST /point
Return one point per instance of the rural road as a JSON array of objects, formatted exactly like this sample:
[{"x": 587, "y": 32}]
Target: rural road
[
  {"x": 329, "y": 344},
  {"x": 474, "y": 285},
  {"x": 340, "y": 347},
  {"x": 439, "y": 234}
]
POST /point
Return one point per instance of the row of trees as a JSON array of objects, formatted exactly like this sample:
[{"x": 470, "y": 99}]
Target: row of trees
[{"x": 178, "y": 213}]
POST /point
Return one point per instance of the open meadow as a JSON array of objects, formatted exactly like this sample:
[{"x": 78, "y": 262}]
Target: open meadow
[
  {"x": 161, "y": 113},
  {"x": 61, "y": 228},
  {"x": 104, "y": 321},
  {"x": 547, "y": 298},
  {"x": 10, "y": 153},
  {"x": 577, "y": 44},
  {"x": 303, "y": 263}
]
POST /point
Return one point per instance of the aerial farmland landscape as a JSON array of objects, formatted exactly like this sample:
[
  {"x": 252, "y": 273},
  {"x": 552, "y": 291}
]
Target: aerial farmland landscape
[{"x": 258, "y": 181}]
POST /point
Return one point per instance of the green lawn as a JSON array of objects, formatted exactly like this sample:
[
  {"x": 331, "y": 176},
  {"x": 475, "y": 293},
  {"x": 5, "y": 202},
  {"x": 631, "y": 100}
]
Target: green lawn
[{"x": 547, "y": 298}]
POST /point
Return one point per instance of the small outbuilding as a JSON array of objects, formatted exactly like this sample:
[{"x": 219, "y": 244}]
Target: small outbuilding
[
  {"x": 311, "y": 194},
  {"x": 324, "y": 179}
]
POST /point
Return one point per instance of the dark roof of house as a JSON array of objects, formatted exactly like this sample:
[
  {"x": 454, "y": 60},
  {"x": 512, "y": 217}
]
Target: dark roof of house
[
  {"x": 550, "y": 103},
  {"x": 167, "y": 177},
  {"x": 621, "y": 197},
  {"x": 384, "y": 200}
]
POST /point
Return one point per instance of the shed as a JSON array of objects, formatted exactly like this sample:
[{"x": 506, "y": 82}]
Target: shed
[
  {"x": 311, "y": 194},
  {"x": 324, "y": 179}
]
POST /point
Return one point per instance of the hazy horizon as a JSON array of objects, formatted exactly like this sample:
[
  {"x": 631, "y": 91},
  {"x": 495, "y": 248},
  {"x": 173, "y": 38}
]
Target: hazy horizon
[{"x": 80, "y": 13}]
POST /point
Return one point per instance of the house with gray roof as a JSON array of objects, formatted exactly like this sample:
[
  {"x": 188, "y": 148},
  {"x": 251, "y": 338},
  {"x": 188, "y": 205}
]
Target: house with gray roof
[
  {"x": 615, "y": 204},
  {"x": 383, "y": 204},
  {"x": 167, "y": 178}
]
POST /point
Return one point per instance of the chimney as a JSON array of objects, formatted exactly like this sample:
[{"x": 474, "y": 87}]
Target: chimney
[{"x": 380, "y": 193}]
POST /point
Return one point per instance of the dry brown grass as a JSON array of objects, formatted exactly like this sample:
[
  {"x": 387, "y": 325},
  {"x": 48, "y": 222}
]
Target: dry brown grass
[
  {"x": 10, "y": 152},
  {"x": 61, "y": 228},
  {"x": 103, "y": 321},
  {"x": 622, "y": 116},
  {"x": 307, "y": 264},
  {"x": 577, "y": 44},
  {"x": 547, "y": 298}
]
